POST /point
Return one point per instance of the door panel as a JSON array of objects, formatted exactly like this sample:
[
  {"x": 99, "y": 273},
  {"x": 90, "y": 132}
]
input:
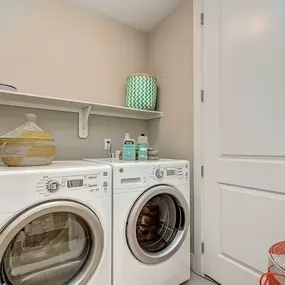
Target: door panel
[
  {"x": 243, "y": 137},
  {"x": 252, "y": 45},
  {"x": 255, "y": 229}
]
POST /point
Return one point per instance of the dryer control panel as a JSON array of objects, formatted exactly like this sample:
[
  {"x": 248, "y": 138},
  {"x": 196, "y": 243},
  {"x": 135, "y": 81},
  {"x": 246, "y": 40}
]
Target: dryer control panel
[
  {"x": 180, "y": 173},
  {"x": 95, "y": 183}
]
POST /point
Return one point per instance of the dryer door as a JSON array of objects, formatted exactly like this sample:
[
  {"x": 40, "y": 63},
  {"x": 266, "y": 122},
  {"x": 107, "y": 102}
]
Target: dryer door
[
  {"x": 157, "y": 224},
  {"x": 53, "y": 243}
]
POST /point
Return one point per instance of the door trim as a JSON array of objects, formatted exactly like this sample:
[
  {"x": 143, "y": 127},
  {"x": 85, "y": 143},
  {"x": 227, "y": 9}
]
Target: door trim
[
  {"x": 131, "y": 235},
  {"x": 12, "y": 228},
  {"x": 198, "y": 9}
]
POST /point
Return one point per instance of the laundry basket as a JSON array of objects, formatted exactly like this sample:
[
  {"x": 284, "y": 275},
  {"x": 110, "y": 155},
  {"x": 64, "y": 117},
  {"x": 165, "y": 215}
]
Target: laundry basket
[
  {"x": 276, "y": 266},
  {"x": 141, "y": 91}
]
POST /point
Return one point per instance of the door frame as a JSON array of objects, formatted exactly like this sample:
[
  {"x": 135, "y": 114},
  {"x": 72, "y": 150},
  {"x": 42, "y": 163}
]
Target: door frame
[{"x": 198, "y": 85}]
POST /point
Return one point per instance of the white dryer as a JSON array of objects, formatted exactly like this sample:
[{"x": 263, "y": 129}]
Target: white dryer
[
  {"x": 151, "y": 217},
  {"x": 55, "y": 224}
]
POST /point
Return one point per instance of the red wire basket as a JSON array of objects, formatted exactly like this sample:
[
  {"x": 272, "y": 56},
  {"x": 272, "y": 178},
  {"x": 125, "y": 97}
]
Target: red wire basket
[{"x": 276, "y": 266}]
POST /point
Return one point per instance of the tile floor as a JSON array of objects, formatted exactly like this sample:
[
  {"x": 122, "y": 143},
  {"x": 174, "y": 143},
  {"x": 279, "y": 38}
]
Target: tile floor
[{"x": 196, "y": 280}]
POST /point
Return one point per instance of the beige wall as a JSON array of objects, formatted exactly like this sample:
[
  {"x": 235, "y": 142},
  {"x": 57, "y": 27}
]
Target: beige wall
[
  {"x": 56, "y": 48},
  {"x": 59, "y": 49},
  {"x": 64, "y": 127},
  {"x": 170, "y": 59}
]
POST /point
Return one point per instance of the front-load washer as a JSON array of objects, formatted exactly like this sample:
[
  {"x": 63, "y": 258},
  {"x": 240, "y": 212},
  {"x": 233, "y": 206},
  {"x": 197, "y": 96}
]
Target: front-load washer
[
  {"x": 55, "y": 224},
  {"x": 151, "y": 217}
]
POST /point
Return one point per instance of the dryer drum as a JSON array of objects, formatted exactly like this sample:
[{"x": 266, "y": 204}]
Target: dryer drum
[
  {"x": 53, "y": 248},
  {"x": 157, "y": 223}
]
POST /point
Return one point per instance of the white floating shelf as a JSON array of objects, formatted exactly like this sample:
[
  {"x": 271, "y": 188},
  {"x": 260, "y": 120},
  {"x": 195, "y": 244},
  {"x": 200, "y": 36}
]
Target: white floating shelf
[{"x": 83, "y": 108}]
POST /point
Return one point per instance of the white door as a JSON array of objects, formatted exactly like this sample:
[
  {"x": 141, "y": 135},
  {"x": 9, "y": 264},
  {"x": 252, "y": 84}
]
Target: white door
[{"x": 243, "y": 136}]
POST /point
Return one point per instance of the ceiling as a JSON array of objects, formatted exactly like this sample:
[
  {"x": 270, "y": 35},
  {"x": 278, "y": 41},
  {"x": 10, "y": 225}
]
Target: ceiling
[{"x": 143, "y": 15}]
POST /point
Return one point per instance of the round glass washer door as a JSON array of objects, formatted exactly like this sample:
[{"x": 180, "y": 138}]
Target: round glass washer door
[
  {"x": 157, "y": 224},
  {"x": 53, "y": 243}
]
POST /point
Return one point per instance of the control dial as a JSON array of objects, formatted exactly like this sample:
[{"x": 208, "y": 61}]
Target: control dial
[
  {"x": 52, "y": 186},
  {"x": 159, "y": 174}
]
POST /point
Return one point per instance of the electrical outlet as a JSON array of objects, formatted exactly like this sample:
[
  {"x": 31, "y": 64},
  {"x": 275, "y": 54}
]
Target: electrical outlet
[{"x": 106, "y": 142}]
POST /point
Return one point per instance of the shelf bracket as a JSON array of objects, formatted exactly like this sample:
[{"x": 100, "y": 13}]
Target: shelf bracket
[{"x": 83, "y": 122}]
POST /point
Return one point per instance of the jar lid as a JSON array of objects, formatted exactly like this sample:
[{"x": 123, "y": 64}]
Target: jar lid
[{"x": 29, "y": 130}]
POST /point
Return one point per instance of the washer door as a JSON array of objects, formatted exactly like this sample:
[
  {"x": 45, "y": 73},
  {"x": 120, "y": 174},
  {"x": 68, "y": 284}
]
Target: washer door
[
  {"x": 53, "y": 243},
  {"x": 158, "y": 224}
]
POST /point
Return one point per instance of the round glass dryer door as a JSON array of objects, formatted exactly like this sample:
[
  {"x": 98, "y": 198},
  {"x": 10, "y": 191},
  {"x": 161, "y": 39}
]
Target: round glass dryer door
[
  {"x": 54, "y": 243},
  {"x": 158, "y": 224}
]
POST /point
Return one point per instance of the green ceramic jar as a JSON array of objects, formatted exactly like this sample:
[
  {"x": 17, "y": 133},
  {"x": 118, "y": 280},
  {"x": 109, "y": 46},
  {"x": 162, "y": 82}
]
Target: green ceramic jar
[{"x": 141, "y": 91}]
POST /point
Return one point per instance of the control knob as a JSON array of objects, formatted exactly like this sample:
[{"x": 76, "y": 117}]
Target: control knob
[
  {"x": 159, "y": 174},
  {"x": 52, "y": 186}
]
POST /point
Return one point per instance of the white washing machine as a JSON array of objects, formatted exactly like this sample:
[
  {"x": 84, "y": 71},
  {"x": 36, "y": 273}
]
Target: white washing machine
[
  {"x": 55, "y": 224},
  {"x": 151, "y": 217}
]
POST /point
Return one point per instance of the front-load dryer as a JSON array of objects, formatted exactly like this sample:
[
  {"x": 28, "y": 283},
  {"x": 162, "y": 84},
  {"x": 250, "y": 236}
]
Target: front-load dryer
[
  {"x": 151, "y": 217},
  {"x": 55, "y": 224}
]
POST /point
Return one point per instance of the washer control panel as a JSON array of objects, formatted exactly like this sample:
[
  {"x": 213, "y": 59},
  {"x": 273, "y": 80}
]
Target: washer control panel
[{"x": 96, "y": 182}]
